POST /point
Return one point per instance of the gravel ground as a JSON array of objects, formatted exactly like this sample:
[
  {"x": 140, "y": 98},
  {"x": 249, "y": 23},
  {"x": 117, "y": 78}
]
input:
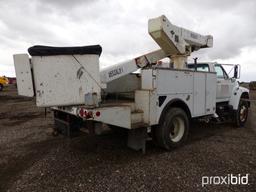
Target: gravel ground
[{"x": 33, "y": 160}]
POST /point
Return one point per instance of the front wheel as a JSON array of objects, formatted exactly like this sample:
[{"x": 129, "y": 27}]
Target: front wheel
[
  {"x": 241, "y": 113},
  {"x": 173, "y": 130}
]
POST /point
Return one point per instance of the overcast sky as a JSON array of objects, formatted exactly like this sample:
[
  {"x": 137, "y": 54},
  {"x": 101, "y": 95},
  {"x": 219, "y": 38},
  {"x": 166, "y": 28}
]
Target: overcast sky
[{"x": 120, "y": 27}]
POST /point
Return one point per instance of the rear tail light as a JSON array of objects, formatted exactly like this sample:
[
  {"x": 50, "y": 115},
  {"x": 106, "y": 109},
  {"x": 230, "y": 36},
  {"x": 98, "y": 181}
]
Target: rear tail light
[
  {"x": 97, "y": 113},
  {"x": 89, "y": 115},
  {"x": 82, "y": 112}
]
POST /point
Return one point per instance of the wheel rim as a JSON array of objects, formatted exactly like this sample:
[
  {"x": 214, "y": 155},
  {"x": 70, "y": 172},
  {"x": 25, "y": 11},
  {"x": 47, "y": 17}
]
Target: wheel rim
[
  {"x": 243, "y": 113},
  {"x": 177, "y": 129}
]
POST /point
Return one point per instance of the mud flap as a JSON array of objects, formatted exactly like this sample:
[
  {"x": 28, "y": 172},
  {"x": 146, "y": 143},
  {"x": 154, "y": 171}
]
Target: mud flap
[
  {"x": 137, "y": 139},
  {"x": 67, "y": 128}
]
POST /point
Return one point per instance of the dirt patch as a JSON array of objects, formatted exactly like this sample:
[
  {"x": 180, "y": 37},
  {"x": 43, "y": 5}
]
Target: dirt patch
[
  {"x": 19, "y": 115},
  {"x": 9, "y": 98}
]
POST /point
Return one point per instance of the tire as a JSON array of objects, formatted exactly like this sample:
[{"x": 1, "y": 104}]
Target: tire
[
  {"x": 153, "y": 134},
  {"x": 173, "y": 129},
  {"x": 241, "y": 114},
  {"x": 1, "y": 87}
]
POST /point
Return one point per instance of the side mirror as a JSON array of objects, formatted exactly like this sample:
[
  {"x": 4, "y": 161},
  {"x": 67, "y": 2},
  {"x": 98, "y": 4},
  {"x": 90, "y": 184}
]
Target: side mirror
[{"x": 236, "y": 71}]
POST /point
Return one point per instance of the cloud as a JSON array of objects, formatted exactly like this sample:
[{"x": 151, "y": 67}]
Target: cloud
[
  {"x": 121, "y": 26},
  {"x": 65, "y": 3},
  {"x": 231, "y": 23}
]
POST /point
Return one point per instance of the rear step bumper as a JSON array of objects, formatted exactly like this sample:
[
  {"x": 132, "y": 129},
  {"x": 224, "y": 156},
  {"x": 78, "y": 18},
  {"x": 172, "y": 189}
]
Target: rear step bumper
[{"x": 121, "y": 115}]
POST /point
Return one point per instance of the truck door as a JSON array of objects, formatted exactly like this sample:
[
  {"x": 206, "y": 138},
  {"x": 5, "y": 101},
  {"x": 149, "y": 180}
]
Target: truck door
[{"x": 224, "y": 84}]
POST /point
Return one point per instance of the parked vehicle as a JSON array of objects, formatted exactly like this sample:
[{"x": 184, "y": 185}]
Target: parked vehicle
[
  {"x": 160, "y": 100},
  {"x": 11, "y": 80},
  {"x": 3, "y": 82}
]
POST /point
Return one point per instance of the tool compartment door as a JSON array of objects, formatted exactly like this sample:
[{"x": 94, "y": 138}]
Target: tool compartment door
[
  {"x": 211, "y": 81},
  {"x": 204, "y": 93},
  {"x": 23, "y": 75},
  {"x": 199, "y": 93}
]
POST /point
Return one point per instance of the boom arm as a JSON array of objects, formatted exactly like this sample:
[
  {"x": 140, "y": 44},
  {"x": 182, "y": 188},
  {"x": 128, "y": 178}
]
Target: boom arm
[
  {"x": 175, "y": 42},
  {"x": 121, "y": 69}
]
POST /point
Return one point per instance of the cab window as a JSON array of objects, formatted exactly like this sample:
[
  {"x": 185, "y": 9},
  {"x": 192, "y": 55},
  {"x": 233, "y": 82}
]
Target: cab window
[
  {"x": 203, "y": 68},
  {"x": 221, "y": 74},
  {"x": 200, "y": 67}
]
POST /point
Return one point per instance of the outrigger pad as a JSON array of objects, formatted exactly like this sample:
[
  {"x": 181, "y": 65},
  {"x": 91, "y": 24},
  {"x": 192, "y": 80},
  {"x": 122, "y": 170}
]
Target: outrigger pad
[{"x": 40, "y": 50}]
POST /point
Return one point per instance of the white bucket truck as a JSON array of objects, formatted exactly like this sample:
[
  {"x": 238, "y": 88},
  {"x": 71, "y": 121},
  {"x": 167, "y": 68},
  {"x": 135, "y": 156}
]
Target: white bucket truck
[{"x": 160, "y": 100}]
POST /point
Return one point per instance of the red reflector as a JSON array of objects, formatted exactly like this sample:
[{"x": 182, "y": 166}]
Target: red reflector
[{"x": 97, "y": 113}]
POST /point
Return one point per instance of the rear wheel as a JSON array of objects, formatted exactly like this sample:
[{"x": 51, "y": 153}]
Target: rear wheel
[
  {"x": 241, "y": 114},
  {"x": 173, "y": 130}
]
